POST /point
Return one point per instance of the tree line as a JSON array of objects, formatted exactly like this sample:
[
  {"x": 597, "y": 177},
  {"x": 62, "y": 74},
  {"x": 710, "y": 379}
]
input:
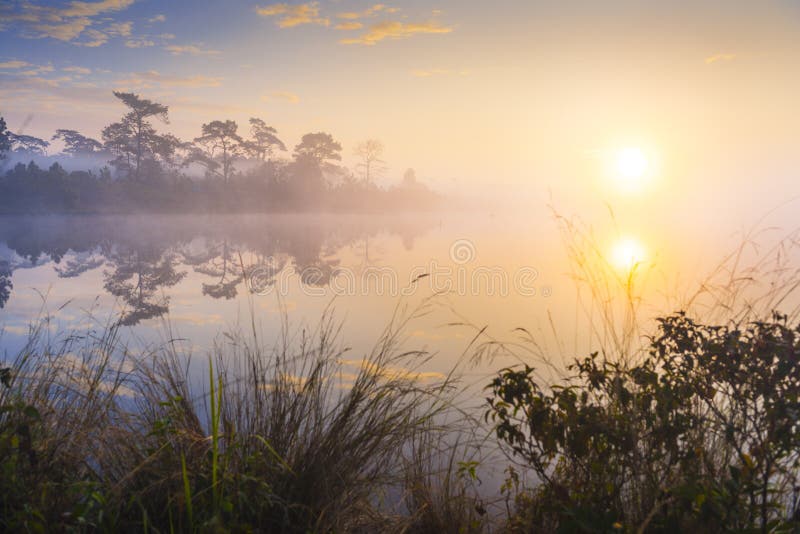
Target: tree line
[{"x": 223, "y": 169}]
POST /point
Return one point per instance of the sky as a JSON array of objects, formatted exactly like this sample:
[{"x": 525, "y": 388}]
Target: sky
[{"x": 529, "y": 97}]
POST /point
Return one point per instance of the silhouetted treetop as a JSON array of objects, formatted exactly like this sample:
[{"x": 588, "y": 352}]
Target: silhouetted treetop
[
  {"x": 27, "y": 144},
  {"x": 320, "y": 146},
  {"x": 133, "y": 139},
  {"x": 219, "y": 145},
  {"x": 5, "y": 282},
  {"x": 264, "y": 140},
  {"x": 5, "y": 141},
  {"x": 76, "y": 144},
  {"x": 142, "y": 108}
]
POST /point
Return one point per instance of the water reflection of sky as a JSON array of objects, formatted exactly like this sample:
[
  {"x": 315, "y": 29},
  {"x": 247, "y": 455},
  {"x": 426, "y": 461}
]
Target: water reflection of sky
[{"x": 208, "y": 275}]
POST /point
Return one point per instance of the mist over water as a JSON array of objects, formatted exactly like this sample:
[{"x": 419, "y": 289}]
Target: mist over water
[{"x": 206, "y": 275}]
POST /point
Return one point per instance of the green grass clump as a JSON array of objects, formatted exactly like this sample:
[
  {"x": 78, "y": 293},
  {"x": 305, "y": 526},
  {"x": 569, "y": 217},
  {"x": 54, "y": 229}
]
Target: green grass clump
[{"x": 294, "y": 438}]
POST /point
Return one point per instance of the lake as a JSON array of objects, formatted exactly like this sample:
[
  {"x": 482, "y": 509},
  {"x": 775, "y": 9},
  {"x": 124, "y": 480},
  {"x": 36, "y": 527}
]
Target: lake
[{"x": 198, "y": 277}]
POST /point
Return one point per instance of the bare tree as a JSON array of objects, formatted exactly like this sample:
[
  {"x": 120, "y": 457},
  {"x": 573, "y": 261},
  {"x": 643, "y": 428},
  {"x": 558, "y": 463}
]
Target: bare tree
[{"x": 370, "y": 152}]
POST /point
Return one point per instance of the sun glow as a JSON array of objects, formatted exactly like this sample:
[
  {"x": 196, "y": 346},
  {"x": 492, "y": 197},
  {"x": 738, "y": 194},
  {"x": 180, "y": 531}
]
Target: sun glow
[
  {"x": 631, "y": 168},
  {"x": 627, "y": 254},
  {"x": 632, "y": 163}
]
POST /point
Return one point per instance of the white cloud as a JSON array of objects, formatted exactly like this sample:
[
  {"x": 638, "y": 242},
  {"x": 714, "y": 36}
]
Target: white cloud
[
  {"x": 63, "y": 31},
  {"x": 14, "y": 64},
  {"x": 96, "y": 38},
  {"x": 192, "y": 50},
  {"x": 66, "y": 23},
  {"x": 30, "y": 68},
  {"x": 90, "y": 9},
  {"x": 158, "y": 18},
  {"x": 154, "y": 78},
  {"x": 77, "y": 70},
  {"x": 119, "y": 29},
  {"x": 52, "y": 94},
  {"x": 139, "y": 43}
]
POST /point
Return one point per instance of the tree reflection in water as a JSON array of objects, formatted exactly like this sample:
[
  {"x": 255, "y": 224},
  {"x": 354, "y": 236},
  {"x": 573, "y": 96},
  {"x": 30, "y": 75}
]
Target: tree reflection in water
[{"x": 142, "y": 257}]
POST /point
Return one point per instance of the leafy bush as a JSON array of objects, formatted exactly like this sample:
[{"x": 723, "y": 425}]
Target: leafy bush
[{"x": 700, "y": 435}]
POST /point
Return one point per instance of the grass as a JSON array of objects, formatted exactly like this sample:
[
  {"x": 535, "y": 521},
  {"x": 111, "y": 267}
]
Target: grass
[{"x": 293, "y": 437}]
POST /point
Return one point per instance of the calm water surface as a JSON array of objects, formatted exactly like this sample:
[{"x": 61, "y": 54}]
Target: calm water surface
[{"x": 210, "y": 275}]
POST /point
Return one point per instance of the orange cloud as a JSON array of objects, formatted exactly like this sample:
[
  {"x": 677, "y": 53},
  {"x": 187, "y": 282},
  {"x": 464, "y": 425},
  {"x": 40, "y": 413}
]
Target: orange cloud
[
  {"x": 291, "y": 16},
  {"x": 377, "y": 8},
  {"x": 349, "y": 26},
  {"x": 720, "y": 57},
  {"x": 282, "y": 95},
  {"x": 396, "y": 30}
]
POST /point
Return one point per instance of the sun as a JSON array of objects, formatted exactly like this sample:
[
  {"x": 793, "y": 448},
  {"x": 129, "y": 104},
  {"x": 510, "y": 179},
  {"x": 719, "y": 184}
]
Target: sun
[
  {"x": 627, "y": 254},
  {"x": 632, "y": 163}
]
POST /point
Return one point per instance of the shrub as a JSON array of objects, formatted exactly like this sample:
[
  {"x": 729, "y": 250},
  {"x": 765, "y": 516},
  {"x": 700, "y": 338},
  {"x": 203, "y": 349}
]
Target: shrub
[{"x": 701, "y": 434}]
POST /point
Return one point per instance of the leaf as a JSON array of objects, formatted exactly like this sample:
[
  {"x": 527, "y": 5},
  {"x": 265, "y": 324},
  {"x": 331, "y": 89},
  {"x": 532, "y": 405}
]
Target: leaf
[
  {"x": 32, "y": 413},
  {"x": 5, "y": 376},
  {"x": 748, "y": 461}
]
